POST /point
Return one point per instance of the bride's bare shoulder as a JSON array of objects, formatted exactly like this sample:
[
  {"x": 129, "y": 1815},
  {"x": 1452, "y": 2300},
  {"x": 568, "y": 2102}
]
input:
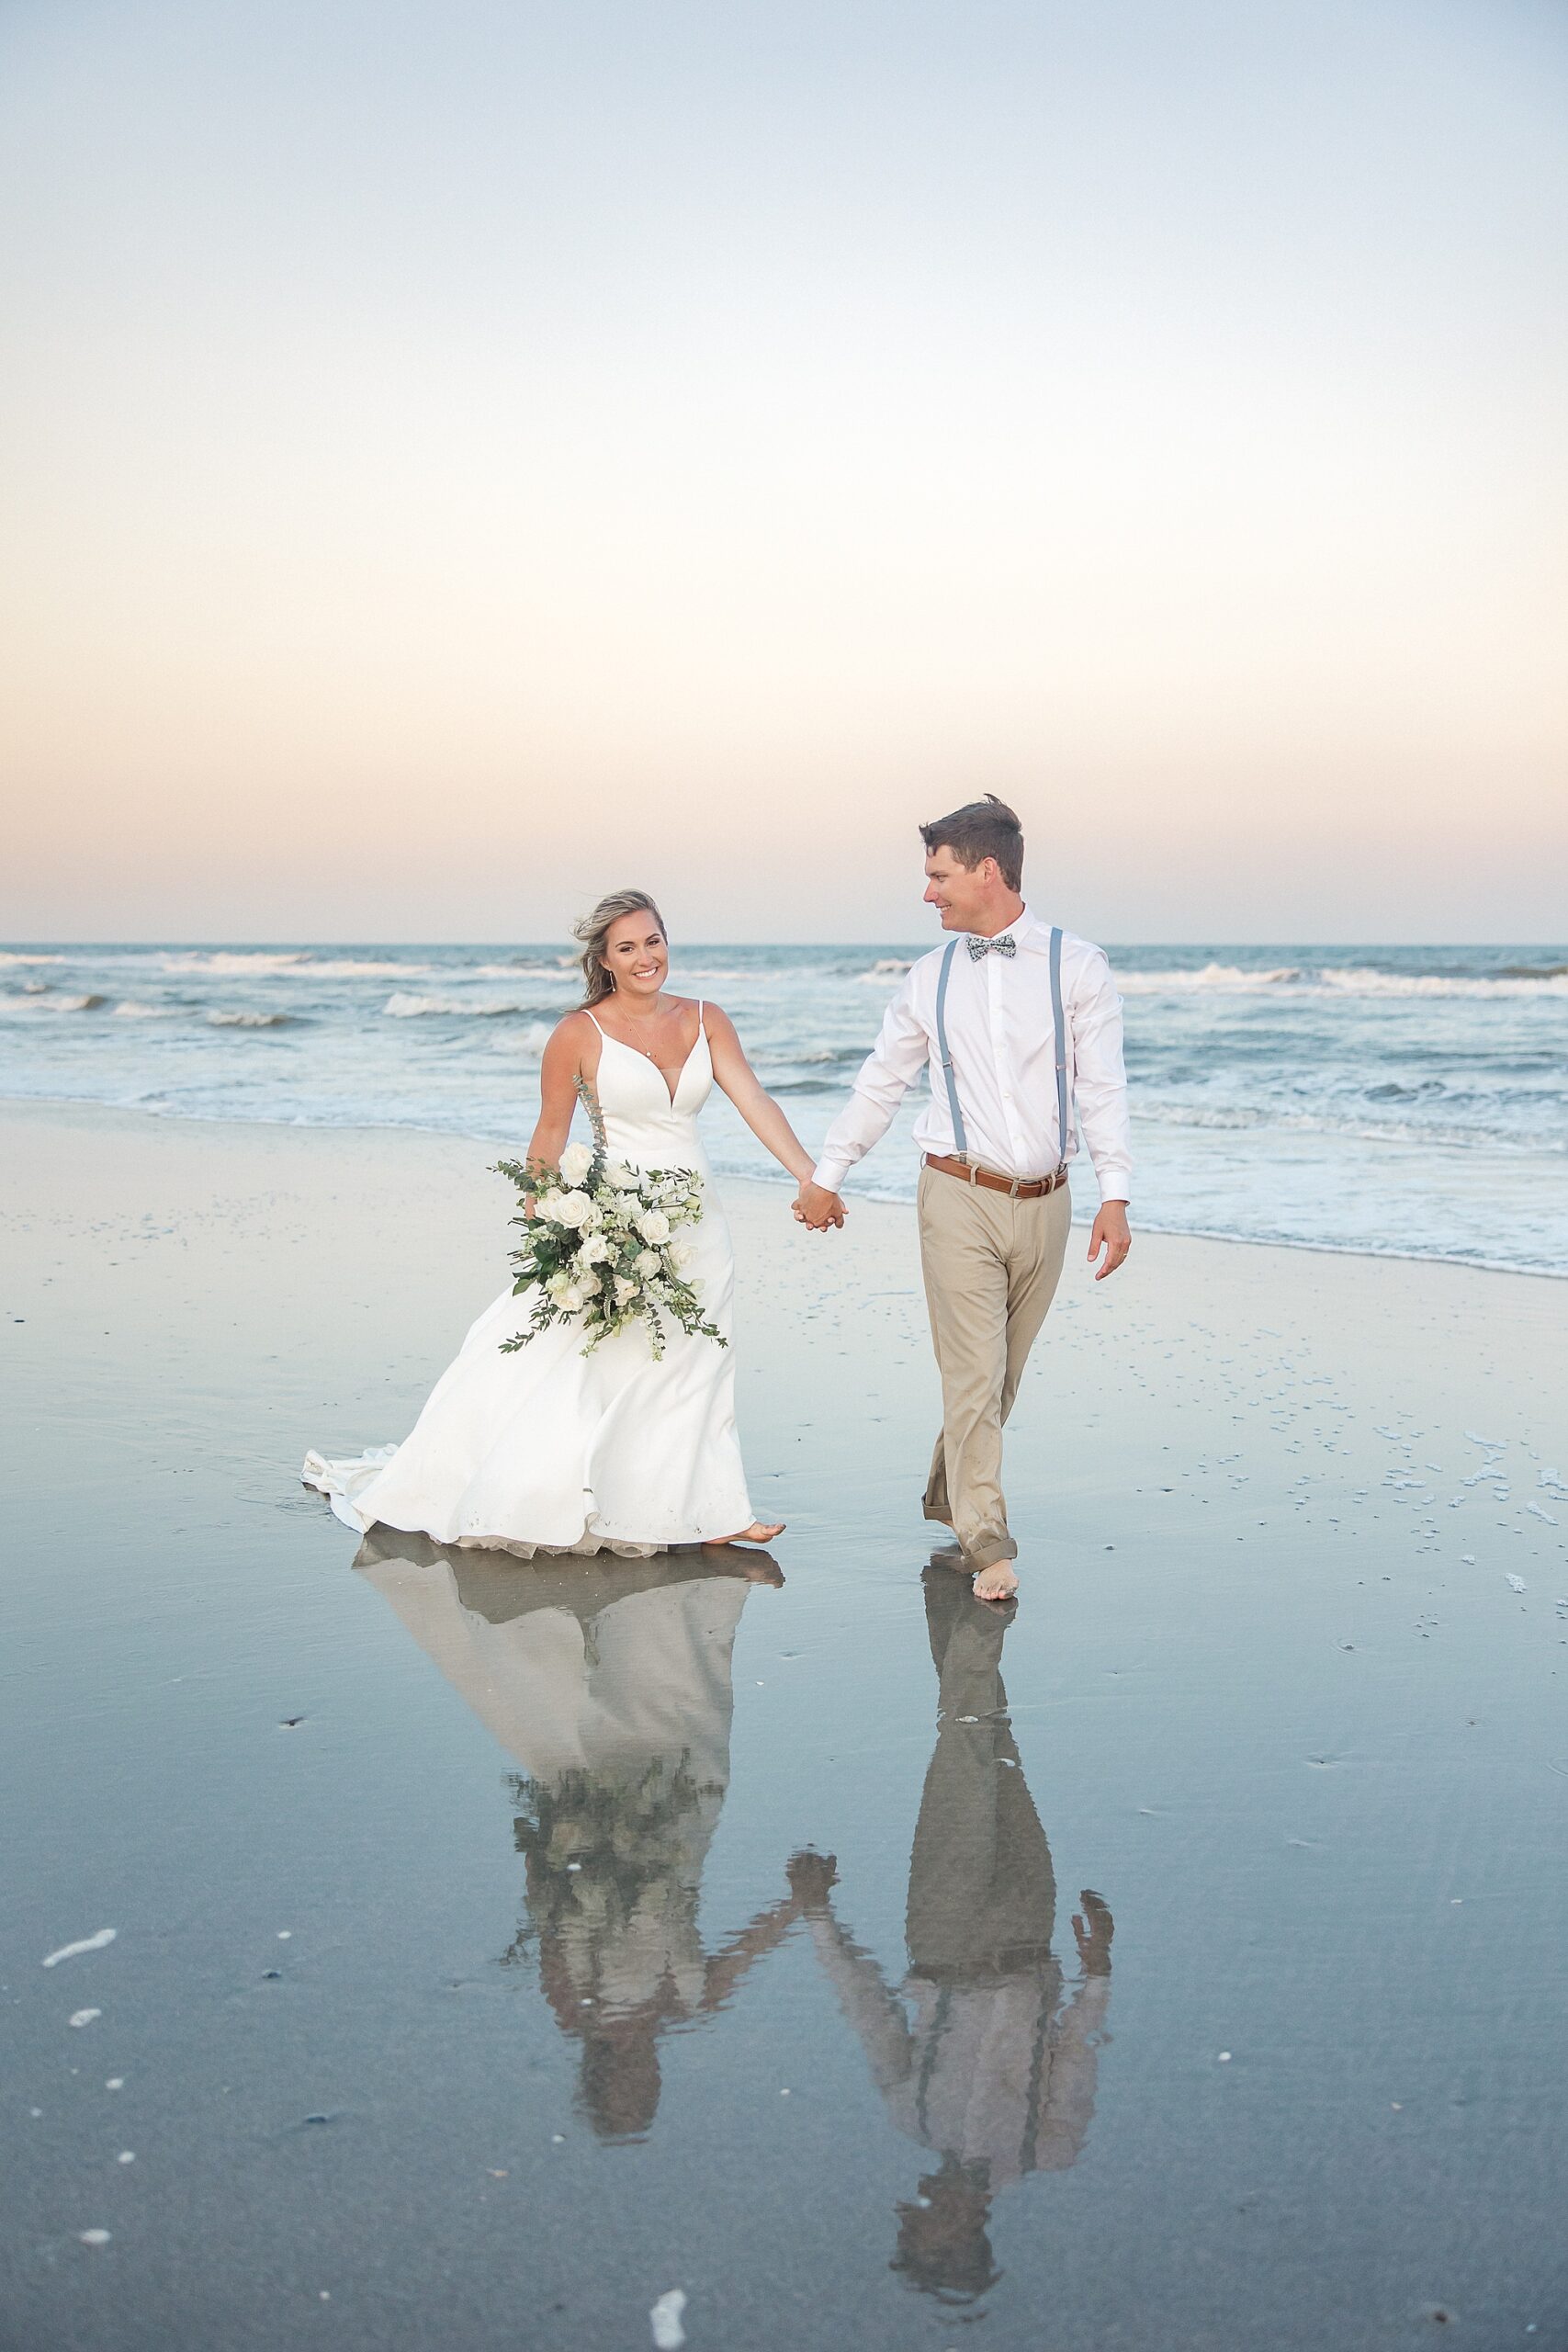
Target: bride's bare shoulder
[
  {"x": 573, "y": 1035},
  {"x": 721, "y": 1032}
]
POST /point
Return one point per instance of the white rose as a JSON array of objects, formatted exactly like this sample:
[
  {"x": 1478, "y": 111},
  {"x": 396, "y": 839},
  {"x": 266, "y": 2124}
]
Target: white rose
[
  {"x": 559, "y": 1280},
  {"x": 653, "y": 1226},
  {"x": 624, "y": 1290},
  {"x": 619, "y": 1177},
  {"x": 571, "y": 1208},
  {"x": 683, "y": 1255},
  {"x": 647, "y": 1261},
  {"x": 572, "y": 1299},
  {"x": 575, "y": 1162},
  {"x": 594, "y": 1250}
]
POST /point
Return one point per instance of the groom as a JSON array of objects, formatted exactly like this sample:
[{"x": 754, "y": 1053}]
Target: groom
[{"x": 1022, "y": 1027}]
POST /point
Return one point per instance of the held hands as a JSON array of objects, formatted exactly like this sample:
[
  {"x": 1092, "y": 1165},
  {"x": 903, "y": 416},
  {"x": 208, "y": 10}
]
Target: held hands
[
  {"x": 1110, "y": 1235},
  {"x": 816, "y": 1208},
  {"x": 810, "y": 1876},
  {"x": 1093, "y": 1927}
]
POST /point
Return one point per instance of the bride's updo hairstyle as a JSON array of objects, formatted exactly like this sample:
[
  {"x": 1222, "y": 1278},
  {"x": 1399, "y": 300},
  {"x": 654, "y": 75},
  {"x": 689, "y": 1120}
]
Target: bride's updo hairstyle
[{"x": 594, "y": 930}]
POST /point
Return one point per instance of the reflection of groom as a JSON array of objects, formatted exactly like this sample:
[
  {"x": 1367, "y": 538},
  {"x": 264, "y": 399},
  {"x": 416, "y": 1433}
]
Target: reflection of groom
[
  {"x": 993, "y": 2071},
  {"x": 1021, "y": 1026}
]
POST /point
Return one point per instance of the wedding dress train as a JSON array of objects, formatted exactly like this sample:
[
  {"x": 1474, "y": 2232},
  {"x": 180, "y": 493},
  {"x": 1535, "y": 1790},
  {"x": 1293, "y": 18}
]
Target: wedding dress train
[{"x": 547, "y": 1450}]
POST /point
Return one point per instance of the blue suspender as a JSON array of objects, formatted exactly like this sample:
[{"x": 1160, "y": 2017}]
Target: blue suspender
[
  {"x": 960, "y": 1138},
  {"x": 1060, "y": 1019}
]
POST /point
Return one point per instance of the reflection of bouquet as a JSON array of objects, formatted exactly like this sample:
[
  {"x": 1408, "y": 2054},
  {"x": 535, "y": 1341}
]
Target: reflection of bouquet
[{"x": 604, "y": 1243}]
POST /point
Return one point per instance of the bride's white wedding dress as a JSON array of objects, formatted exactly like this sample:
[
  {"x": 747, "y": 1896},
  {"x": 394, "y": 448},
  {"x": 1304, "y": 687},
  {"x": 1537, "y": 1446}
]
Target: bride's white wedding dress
[{"x": 548, "y": 1450}]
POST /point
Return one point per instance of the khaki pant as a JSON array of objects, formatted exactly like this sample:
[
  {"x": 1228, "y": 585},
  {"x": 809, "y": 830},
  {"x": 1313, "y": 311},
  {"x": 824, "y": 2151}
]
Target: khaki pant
[{"x": 991, "y": 1266}]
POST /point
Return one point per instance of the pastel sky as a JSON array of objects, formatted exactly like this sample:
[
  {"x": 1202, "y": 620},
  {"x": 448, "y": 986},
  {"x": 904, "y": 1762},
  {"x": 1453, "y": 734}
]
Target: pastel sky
[{"x": 462, "y": 456}]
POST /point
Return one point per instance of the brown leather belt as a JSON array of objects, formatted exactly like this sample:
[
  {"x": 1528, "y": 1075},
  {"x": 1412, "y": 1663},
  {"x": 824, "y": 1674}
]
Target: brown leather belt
[{"x": 1020, "y": 1188}]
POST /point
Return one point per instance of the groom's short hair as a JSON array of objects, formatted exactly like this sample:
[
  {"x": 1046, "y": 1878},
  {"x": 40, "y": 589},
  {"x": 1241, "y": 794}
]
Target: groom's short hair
[{"x": 981, "y": 829}]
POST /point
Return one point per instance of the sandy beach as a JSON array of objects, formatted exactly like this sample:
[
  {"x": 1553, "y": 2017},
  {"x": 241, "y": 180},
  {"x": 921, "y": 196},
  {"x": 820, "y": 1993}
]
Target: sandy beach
[{"x": 1285, "y": 1692}]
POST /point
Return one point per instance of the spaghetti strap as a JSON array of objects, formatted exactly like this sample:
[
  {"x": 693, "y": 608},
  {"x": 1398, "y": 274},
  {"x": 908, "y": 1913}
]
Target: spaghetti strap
[
  {"x": 590, "y": 1017},
  {"x": 701, "y": 1008}
]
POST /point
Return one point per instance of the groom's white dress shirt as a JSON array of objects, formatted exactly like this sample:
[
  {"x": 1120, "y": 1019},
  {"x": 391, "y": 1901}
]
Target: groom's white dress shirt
[{"x": 1001, "y": 1036}]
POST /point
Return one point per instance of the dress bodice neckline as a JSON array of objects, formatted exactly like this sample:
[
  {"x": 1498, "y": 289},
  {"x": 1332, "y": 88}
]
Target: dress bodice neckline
[
  {"x": 645, "y": 1122},
  {"x": 672, "y": 1091},
  {"x": 672, "y": 1094}
]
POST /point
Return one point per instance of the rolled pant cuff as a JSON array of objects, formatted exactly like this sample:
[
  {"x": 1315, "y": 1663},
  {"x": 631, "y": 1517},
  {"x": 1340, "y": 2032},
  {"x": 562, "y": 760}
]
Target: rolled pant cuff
[{"x": 985, "y": 1553}]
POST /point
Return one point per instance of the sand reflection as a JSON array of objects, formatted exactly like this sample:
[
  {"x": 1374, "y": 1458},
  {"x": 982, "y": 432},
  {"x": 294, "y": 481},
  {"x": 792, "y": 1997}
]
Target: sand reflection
[
  {"x": 982, "y": 2054},
  {"x": 609, "y": 1682}
]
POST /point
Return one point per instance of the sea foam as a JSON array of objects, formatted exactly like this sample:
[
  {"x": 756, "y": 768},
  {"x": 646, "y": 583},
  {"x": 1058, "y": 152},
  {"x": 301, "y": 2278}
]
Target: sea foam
[{"x": 404, "y": 1005}]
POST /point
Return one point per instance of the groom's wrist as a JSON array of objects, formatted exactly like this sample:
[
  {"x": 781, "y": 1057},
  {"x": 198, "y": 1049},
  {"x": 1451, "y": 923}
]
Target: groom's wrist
[{"x": 830, "y": 1174}]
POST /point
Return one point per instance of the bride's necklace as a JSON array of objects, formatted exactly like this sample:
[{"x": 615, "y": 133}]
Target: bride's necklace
[{"x": 647, "y": 1052}]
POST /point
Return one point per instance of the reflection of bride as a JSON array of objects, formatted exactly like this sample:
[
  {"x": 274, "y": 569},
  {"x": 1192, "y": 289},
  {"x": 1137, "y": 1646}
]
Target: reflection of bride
[
  {"x": 980, "y": 2055},
  {"x": 609, "y": 1682}
]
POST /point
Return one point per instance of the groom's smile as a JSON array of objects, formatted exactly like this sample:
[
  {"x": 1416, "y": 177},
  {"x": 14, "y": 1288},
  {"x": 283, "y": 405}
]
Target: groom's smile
[{"x": 974, "y": 898}]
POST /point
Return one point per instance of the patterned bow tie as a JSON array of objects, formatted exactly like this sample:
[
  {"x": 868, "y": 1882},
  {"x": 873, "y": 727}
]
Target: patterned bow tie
[{"x": 1005, "y": 945}]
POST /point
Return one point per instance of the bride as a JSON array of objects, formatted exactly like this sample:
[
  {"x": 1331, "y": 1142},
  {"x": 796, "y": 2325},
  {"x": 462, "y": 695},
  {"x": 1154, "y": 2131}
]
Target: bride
[{"x": 547, "y": 1450}]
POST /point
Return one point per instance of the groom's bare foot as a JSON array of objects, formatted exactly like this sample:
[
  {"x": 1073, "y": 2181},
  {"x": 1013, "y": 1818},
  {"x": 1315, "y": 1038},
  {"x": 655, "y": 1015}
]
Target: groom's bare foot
[
  {"x": 759, "y": 1531},
  {"x": 996, "y": 1583}
]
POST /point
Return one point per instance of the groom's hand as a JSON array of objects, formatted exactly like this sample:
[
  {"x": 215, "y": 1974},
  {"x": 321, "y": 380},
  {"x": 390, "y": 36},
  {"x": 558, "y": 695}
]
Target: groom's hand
[
  {"x": 817, "y": 1207},
  {"x": 1110, "y": 1235}
]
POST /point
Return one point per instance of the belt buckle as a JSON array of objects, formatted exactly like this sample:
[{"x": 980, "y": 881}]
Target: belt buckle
[{"x": 1012, "y": 1188}]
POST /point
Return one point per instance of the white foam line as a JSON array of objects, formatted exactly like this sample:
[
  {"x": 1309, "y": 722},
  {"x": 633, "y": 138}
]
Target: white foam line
[
  {"x": 88, "y": 1943},
  {"x": 1549, "y": 1517}
]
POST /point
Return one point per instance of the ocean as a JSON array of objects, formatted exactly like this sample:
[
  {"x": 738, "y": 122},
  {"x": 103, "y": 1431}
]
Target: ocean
[{"x": 1395, "y": 1101}]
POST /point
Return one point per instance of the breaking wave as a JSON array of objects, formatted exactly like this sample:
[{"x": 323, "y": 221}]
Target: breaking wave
[
  {"x": 1345, "y": 979},
  {"x": 1455, "y": 1134},
  {"x": 404, "y": 1005},
  {"x": 1230, "y": 978},
  {"x": 1351, "y": 980},
  {"x": 236, "y": 963}
]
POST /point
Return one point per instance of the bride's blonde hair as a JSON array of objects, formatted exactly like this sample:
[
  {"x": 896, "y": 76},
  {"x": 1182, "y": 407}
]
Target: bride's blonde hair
[{"x": 594, "y": 930}]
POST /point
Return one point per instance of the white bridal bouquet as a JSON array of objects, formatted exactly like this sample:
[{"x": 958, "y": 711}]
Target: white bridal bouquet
[{"x": 605, "y": 1243}]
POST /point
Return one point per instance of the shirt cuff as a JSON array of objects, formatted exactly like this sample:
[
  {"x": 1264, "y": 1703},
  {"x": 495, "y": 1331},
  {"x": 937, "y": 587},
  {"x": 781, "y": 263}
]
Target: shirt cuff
[
  {"x": 830, "y": 1174},
  {"x": 1115, "y": 1181}
]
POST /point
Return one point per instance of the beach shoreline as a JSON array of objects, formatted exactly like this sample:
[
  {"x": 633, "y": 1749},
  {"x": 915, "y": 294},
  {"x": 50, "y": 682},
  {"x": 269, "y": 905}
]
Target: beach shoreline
[
  {"x": 1385, "y": 1100},
  {"x": 862, "y": 1189}
]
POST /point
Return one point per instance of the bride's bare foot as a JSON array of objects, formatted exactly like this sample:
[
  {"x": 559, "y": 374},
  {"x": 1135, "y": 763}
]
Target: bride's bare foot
[
  {"x": 996, "y": 1583},
  {"x": 759, "y": 1531}
]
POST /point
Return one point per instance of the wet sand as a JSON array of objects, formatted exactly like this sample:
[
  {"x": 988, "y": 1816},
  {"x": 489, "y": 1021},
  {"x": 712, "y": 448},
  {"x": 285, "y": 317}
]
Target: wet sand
[{"x": 479, "y": 1975}]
